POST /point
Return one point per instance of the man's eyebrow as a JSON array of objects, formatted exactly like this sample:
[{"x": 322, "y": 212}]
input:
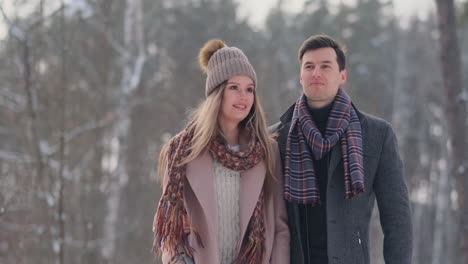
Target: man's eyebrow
[{"x": 325, "y": 61}]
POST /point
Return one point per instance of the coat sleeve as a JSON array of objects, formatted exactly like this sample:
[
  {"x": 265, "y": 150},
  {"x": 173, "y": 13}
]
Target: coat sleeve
[
  {"x": 280, "y": 251},
  {"x": 393, "y": 203}
]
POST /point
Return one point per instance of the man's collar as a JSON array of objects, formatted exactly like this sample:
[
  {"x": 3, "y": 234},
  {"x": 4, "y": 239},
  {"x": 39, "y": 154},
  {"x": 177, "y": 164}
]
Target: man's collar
[
  {"x": 360, "y": 115},
  {"x": 287, "y": 116}
]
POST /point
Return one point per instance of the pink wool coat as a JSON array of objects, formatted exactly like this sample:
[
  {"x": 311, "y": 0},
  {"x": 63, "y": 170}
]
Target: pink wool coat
[{"x": 201, "y": 208}]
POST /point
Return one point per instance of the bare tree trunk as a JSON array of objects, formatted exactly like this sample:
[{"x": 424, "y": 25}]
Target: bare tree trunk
[
  {"x": 442, "y": 207},
  {"x": 455, "y": 113},
  {"x": 423, "y": 203},
  {"x": 61, "y": 179},
  {"x": 31, "y": 102},
  {"x": 132, "y": 61}
]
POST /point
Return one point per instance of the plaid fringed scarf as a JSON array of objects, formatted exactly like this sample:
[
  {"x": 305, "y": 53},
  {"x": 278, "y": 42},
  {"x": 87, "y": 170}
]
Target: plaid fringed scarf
[
  {"x": 306, "y": 142},
  {"x": 172, "y": 225}
]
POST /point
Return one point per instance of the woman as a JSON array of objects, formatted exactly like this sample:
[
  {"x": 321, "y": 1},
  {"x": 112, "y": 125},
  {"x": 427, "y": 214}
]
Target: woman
[{"x": 222, "y": 183}]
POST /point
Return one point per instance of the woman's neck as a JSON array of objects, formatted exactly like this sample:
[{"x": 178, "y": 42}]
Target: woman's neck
[{"x": 231, "y": 133}]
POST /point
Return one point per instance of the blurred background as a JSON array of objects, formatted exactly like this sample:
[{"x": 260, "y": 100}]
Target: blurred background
[{"x": 91, "y": 89}]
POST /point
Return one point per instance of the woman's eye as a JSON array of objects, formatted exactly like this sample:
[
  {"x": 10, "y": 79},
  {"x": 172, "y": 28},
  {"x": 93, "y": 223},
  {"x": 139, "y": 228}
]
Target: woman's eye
[
  {"x": 250, "y": 90},
  {"x": 233, "y": 87}
]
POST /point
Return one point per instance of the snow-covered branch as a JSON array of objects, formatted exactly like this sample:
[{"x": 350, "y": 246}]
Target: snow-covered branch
[
  {"x": 21, "y": 33},
  {"x": 115, "y": 44},
  {"x": 13, "y": 101},
  {"x": 77, "y": 131},
  {"x": 15, "y": 31},
  {"x": 15, "y": 157}
]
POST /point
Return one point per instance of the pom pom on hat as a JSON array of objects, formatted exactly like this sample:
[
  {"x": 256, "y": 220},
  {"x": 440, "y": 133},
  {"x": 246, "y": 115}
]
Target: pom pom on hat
[{"x": 207, "y": 51}]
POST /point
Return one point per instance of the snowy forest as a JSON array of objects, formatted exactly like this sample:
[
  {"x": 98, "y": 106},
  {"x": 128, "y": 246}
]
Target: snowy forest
[{"x": 90, "y": 90}]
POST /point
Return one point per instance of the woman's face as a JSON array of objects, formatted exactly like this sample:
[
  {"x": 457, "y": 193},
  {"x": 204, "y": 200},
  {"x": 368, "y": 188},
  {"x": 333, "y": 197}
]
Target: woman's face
[{"x": 238, "y": 99}]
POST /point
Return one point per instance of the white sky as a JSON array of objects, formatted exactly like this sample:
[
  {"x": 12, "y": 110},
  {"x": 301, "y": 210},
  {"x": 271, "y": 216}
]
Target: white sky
[{"x": 256, "y": 10}]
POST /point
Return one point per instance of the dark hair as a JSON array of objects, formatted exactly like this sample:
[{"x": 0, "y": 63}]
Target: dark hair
[{"x": 324, "y": 41}]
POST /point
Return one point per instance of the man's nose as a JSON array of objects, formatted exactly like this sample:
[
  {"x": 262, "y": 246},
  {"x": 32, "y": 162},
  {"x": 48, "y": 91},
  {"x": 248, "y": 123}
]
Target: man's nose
[{"x": 316, "y": 72}]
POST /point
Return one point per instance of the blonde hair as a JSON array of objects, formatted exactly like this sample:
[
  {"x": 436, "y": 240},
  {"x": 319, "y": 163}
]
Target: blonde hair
[{"x": 205, "y": 121}]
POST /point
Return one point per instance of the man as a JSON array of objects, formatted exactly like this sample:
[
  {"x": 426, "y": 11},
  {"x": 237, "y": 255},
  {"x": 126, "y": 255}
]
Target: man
[{"x": 337, "y": 162}]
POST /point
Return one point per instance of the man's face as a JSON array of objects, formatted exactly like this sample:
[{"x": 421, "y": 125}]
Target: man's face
[{"x": 321, "y": 76}]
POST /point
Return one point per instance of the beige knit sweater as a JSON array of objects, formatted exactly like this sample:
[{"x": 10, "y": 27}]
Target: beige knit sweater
[{"x": 227, "y": 183}]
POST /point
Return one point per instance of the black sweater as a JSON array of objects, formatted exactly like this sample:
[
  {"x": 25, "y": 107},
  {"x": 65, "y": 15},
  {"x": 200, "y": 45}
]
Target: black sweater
[{"x": 314, "y": 219}]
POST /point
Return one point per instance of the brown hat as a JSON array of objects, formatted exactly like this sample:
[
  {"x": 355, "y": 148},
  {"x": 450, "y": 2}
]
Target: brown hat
[{"x": 221, "y": 62}]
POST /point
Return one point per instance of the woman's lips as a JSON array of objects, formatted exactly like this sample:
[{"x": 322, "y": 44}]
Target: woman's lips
[{"x": 240, "y": 106}]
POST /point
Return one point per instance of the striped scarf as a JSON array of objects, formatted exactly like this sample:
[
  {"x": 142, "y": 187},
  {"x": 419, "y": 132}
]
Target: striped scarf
[
  {"x": 306, "y": 142},
  {"x": 172, "y": 225}
]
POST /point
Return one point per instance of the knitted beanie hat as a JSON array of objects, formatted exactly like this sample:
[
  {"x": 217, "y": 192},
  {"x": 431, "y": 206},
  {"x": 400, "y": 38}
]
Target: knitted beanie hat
[{"x": 221, "y": 62}]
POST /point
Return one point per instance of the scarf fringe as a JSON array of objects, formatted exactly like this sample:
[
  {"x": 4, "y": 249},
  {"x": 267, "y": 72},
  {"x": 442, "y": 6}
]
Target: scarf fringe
[
  {"x": 252, "y": 253},
  {"x": 168, "y": 235},
  {"x": 253, "y": 249}
]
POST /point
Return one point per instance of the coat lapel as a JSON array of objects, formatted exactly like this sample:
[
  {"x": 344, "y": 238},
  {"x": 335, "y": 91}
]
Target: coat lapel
[
  {"x": 250, "y": 187},
  {"x": 200, "y": 178},
  {"x": 336, "y": 156}
]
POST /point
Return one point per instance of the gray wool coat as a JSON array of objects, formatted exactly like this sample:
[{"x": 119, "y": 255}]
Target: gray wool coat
[{"x": 348, "y": 219}]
